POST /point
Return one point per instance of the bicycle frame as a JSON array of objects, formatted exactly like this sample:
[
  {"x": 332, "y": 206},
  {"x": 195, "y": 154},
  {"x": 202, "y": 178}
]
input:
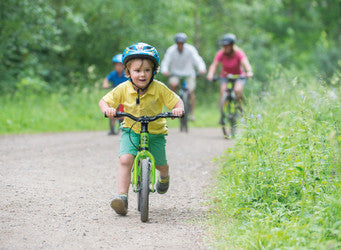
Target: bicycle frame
[
  {"x": 143, "y": 154},
  {"x": 229, "y": 106},
  {"x": 231, "y": 79},
  {"x": 143, "y": 150}
]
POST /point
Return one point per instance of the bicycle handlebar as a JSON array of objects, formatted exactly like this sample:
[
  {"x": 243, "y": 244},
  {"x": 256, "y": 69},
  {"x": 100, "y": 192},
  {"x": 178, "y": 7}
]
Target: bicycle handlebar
[
  {"x": 146, "y": 118},
  {"x": 234, "y": 77},
  {"x": 230, "y": 77}
]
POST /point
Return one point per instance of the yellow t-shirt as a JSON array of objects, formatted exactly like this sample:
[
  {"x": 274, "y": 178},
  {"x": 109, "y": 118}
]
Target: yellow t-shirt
[{"x": 151, "y": 103}]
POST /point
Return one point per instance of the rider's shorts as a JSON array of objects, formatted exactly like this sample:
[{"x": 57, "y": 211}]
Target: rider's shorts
[
  {"x": 157, "y": 145},
  {"x": 223, "y": 80},
  {"x": 190, "y": 81}
]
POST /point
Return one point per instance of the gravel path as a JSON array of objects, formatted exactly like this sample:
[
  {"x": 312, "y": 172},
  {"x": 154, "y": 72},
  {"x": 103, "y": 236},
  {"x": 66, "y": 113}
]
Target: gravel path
[{"x": 55, "y": 191}]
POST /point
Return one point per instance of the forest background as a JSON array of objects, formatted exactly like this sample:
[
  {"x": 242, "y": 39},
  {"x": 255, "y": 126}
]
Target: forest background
[{"x": 47, "y": 44}]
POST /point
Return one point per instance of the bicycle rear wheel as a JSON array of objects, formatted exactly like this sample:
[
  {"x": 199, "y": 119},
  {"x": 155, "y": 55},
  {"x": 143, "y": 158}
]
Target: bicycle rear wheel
[{"x": 143, "y": 196}]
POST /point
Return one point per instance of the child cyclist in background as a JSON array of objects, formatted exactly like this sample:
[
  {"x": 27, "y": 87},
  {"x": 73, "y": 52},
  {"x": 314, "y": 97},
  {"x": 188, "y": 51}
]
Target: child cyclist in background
[
  {"x": 113, "y": 79},
  {"x": 116, "y": 76},
  {"x": 140, "y": 95}
]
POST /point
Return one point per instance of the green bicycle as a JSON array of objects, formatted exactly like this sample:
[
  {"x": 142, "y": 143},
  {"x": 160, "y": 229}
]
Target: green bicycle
[
  {"x": 143, "y": 172},
  {"x": 230, "y": 108}
]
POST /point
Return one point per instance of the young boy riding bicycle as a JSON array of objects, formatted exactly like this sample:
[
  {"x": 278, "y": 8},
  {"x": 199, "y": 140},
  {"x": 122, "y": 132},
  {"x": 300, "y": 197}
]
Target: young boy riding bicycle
[{"x": 140, "y": 95}]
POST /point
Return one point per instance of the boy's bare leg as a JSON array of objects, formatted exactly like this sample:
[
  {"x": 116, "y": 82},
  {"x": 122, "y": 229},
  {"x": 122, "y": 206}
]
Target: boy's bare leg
[
  {"x": 124, "y": 173},
  {"x": 162, "y": 184},
  {"x": 163, "y": 170},
  {"x": 120, "y": 201}
]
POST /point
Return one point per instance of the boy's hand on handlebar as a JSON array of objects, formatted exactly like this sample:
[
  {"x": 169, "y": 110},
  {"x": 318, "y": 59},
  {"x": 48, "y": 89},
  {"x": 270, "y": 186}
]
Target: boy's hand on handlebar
[
  {"x": 110, "y": 113},
  {"x": 178, "y": 111}
]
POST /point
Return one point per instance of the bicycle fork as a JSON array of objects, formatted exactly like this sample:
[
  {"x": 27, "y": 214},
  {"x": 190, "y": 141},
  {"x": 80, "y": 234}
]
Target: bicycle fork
[{"x": 143, "y": 154}]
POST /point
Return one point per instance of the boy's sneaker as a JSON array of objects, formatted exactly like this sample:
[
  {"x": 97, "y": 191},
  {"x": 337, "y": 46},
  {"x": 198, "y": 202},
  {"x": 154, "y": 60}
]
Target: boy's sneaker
[
  {"x": 162, "y": 185},
  {"x": 120, "y": 204}
]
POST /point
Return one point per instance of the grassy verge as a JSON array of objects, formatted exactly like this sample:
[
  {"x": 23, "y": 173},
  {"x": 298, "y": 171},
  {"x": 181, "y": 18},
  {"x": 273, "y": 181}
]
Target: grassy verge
[
  {"x": 279, "y": 187},
  {"x": 72, "y": 109},
  {"x": 66, "y": 110}
]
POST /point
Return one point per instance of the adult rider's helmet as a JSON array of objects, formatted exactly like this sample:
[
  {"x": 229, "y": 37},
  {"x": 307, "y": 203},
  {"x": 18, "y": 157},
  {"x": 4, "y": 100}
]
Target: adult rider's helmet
[
  {"x": 180, "y": 38},
  {"x": 117, "y": 58},
  {"x": 144, "y": 51},
  {"x": 228, "y": 39}
]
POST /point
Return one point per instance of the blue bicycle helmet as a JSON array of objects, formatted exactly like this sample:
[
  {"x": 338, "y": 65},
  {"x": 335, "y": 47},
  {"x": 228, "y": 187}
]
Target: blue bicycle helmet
[
  {"x": 141, "y": 50},
  {"x": 117, "y": 58}
]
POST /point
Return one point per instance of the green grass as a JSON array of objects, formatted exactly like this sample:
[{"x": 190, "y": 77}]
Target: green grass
[
  {"x": 67, "y": 110},
  {"x": 279, "y": 186},
  {"x": 72, "y": 109}
]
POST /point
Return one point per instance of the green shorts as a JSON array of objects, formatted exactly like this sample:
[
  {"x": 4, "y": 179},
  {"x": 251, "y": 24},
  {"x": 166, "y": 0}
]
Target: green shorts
[{"x": 157, "y": 145}]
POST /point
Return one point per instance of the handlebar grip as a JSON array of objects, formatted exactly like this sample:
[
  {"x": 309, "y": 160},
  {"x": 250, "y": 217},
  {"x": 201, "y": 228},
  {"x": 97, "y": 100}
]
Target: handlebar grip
[
  {"x": 170, "y": 115},
  {"x": 119, "y": 114}
]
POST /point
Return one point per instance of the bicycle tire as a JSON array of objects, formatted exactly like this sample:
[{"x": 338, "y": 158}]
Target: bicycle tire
[
  {"x": 233, "y": 124},
  {"x": 114, "y": 126},
  {"x": 139, "y": 190},
  {"x": 184, "y": 118},
  {"x": 144, "y": 191},
  {"x": 232, "y": 117},
  {"x": 224, "y": 111}
]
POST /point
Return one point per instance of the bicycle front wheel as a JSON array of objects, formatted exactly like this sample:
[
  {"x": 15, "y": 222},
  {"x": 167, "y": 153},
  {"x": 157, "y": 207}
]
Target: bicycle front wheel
[
  {"x": 233, "y": 116},
  {"x": 184, "y": 118},
  {"x": 224, "y": 112},
  {"x": 144, "y": 190}
]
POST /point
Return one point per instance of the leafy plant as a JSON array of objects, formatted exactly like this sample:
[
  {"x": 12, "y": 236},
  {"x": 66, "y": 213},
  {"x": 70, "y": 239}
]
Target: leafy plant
[{"x": 279, "y": 186}]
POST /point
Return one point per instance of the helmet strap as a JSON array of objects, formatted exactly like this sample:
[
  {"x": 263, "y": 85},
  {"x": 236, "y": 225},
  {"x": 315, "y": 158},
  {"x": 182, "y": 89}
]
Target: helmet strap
[{"x": 141, "y": 89}]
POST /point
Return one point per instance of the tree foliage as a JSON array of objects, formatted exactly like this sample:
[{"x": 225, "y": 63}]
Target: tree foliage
[{"x": 55, "y": 42}]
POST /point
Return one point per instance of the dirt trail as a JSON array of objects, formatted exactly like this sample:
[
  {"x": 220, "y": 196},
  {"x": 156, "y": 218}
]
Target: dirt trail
[{"x": 55, "y": 191}]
